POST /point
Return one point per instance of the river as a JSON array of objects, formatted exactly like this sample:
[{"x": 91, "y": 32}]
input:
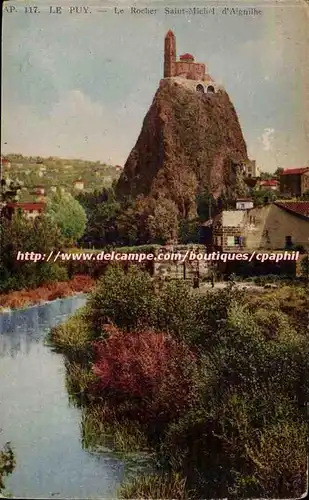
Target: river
[{"x": 35, "y": 414}]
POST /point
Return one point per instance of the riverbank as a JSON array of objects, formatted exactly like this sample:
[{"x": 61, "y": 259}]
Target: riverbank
[
  {"x": 24, "y": 298},
  {"x": 39, "y": 421},
  {"x": 206, "y": 381}
]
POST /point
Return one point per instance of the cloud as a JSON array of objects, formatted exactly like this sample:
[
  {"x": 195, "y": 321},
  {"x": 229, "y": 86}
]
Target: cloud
[
  {"x": 75, "y": 127},
  {"x": 267, "y": 138}
]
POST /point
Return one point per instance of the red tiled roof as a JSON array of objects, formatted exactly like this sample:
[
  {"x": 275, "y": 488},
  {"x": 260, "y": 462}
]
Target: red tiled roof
[
  {"x": 27, "y": 206},
  {"x": 269, "y": 182},
  {"x": 186, "y": 56},
  {"x": 295, "y": 171},
  {"x": 297, "y": 207}
]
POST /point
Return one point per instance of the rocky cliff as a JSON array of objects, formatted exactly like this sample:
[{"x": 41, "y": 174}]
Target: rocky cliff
[{"x": 189, "y": 142}]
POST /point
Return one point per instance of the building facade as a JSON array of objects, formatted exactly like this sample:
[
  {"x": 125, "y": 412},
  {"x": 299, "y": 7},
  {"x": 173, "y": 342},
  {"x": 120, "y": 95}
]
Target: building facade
[
  {"x": 250, "y": 169},
  {"x": 277, "y": 226},
  {"x": 295, "y": 181},
  {"x": 30, "y": 210}
]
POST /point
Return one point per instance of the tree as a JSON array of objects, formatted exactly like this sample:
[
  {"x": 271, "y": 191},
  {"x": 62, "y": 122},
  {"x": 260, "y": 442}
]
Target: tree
[
  {"x": 261, "y": 196},
  {"x": 41, "y": 236},
  {"x": 163, "y": 223},
  {"x": 69, "y": 216},
  {"x": 278, "y": 172},
  {"x": 265, "y": 176},
  {"x": 206, "y": 205}
]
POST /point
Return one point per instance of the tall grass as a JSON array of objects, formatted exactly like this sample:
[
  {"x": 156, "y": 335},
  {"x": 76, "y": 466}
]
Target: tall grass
[
  {"x": 99, "y": 429},
  {"x": 156, "y": 487},
  {"x": 74, "y": 336}
]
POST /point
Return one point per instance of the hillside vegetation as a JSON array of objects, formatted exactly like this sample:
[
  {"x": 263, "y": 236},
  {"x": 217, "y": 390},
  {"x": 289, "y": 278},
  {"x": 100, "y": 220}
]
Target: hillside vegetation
[{"x": 52, "y": 171}]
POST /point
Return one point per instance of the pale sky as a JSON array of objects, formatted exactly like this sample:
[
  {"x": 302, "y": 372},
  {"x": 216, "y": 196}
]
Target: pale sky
[{"x": 79, "y": 85}]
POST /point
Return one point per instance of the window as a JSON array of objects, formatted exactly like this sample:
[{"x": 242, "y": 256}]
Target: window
[
  {"x": 230, "y": 241},
  {"x": 288, "y": 242},
  {"x": 200, "y": 88},
  {"x": 237, "y": 241},
  {"x": 210, "y": 89}
]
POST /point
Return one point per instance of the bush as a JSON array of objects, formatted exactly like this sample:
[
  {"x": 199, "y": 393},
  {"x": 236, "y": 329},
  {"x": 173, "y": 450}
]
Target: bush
[
  {"x": 176, "y": 310},
  {"x": 156, "y": 374},
  {"x": 124, "y": 299},
  {"x": 222, "y": 448},
  {"x": 74, "y": 336}
]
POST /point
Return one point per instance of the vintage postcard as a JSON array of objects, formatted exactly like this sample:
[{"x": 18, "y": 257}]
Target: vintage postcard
[{"x": 154, "y": 249}]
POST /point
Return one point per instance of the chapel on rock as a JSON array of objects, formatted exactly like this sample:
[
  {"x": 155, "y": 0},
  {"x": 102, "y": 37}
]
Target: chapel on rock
[{"x": 186, "y": 68}]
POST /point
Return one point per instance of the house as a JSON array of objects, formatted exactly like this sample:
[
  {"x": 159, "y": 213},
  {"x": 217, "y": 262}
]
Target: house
[
  {"x": 294, "y": 181},
  {"x": 30, "y": 210},
  {"x": 244, "y": 203},
  {"x": 79, "y": 184},
  {"x": 5, "y": 163},
  {"x": 38, "y": 190},
  {"x": 250, "y": 169},
  {"x": 228, "y": 230},
  {"x": 272, "y": 184},
  {"x": 277, "y": 226},
  {"x": 118, "y": 168}
]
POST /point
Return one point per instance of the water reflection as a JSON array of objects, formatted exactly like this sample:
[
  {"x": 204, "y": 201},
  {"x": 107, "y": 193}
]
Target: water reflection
[{"x": 36, "y": 416}]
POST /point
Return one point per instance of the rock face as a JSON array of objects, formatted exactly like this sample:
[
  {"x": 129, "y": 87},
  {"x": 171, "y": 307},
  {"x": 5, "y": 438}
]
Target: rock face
[{"x": 189, "y": 142}]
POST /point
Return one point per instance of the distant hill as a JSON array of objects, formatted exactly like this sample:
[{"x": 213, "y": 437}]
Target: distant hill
[
  {"x": 189, "y": 142},
  {"x": 52, "y": 171}
]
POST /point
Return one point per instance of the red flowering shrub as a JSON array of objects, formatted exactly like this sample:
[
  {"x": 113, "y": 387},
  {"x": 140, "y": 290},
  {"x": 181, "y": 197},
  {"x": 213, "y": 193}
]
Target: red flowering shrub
[
  {"x": 152, "y": 372},
  {"x": 49, "y": 291}
]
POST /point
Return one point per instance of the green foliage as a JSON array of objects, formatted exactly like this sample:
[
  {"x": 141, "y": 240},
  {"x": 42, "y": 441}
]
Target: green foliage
[
  {"x": 242, "y": 431},
  {"x": 97, "y": 430},
  {"x": 260, "y": 196},
  {"x": 7, "y": 463},
  {"x": 124, "y": 299},
  {"x": 73, "y": 336},
  {"x": 189, "y": 231},
  {"x": 41, "y": 236},
  {"x": 206, "y": 205},
  {"x": 163, "y": 223},
  {"x": 67, "y": 213},
  {"x": 102, "y": 210},
  {"x": 79, "y": 377},
  {"x": 61, "y": 171}
]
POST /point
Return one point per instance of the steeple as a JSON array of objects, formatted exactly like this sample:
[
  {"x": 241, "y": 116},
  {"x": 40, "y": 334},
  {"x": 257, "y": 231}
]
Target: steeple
[{"x": 169, "y": 55}]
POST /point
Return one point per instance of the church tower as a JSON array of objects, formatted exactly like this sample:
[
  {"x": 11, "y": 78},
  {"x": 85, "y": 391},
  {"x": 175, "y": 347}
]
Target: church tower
[{"x": 169, "y": 55}]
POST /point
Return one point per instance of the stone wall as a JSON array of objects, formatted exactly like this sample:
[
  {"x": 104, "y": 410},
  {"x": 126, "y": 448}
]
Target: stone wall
[{"x": 181, "y": 270}]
